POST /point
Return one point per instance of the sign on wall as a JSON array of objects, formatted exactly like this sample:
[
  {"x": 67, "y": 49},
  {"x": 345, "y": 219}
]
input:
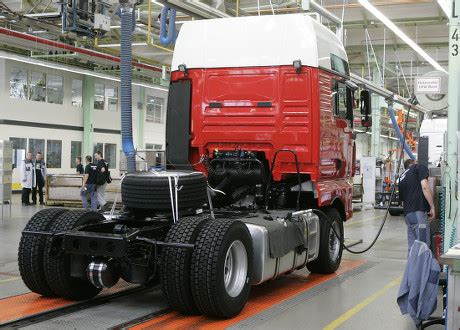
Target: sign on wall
[{"x": 428, "y": 85}]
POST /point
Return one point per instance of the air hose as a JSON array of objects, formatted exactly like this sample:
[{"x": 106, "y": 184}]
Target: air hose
[
  {"x": 393, "y": 189},
  {"x": 126, "y": 15}
]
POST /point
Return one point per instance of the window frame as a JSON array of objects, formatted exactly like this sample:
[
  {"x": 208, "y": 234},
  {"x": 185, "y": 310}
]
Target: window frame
[
  {"x": 75, "y": 97},
  {"x": 49, "y": 148},
  {"x": 24, "y": 94}
]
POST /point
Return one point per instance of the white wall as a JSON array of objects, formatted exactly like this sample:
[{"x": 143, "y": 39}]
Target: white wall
[{"x": 66, "y": 114}]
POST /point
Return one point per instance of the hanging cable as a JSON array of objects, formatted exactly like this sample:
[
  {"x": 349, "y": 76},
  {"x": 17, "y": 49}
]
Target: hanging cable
[{"x": 271, "y": 5}]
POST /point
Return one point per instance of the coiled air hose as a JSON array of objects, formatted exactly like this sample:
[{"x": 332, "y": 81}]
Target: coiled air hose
[{"x": 393, "y": 189}]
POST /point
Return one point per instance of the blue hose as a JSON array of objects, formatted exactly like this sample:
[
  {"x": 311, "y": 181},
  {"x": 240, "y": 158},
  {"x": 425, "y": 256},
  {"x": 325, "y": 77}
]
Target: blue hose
[
  {"x": 167, "y": 31},
  {"x": 399, "y": 133},
  {"x": 126, "y": 15}
]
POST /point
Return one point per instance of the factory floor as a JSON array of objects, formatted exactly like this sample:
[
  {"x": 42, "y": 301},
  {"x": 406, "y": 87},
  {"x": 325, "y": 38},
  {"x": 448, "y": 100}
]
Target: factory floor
[{"x": 361, "y": 295}]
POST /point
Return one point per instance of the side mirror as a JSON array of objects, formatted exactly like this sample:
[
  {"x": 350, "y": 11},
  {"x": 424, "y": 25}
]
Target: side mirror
[
  {"x": 365, "y": 108},
  {"x": 365, "y": 103}
]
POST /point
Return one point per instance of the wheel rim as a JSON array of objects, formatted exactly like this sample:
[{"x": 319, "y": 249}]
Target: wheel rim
[
  {"x": 235, "y": 268},
  {"x": 334, "y": 242}
]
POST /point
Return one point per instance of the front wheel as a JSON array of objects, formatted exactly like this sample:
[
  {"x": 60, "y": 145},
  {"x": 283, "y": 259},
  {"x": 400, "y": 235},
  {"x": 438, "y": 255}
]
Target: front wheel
[{"x": 330, "y": 246}]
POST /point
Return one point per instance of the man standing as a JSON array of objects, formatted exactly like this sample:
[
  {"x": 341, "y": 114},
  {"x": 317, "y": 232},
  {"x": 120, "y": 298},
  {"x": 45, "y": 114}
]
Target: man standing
[
  {"x": 417, "y": 199},
  {"x": 102, "y": 168},
  {"x": 80, "y": 169},
  {"x": 89, "y": 185},
  {"x": 27, "y": 178},
  {"x": 40, "y": 177}
]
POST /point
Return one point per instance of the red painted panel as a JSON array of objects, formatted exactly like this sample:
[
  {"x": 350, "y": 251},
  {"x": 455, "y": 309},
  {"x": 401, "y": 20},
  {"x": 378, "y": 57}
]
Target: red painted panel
[{"x": 297, "y": 115}]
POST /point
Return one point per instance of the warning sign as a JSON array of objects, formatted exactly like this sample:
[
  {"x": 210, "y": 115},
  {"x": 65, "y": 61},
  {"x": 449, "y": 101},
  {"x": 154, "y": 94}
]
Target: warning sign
[{"x": 425, "y": 85}]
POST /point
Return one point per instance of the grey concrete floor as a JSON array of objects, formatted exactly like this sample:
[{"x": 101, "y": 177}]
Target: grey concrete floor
[{"x": 364, "y": 298}]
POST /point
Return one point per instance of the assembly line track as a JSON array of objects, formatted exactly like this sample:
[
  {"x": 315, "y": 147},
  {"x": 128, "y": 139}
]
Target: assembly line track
[{"x": 75, "y": 307}]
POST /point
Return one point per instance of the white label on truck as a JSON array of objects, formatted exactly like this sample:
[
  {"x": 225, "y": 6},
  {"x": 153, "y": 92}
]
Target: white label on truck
[{"x": 428, "y": 85}]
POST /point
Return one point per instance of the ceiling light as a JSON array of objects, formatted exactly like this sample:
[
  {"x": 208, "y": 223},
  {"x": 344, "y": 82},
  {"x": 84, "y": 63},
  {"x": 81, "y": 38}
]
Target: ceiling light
[
  {"x": 389, "y": 24},
  {"x": 446, "y": 7}
]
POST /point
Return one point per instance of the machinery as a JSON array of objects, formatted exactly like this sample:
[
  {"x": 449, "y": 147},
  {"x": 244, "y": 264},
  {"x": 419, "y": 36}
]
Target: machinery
[{"x": 259, "y": 137}]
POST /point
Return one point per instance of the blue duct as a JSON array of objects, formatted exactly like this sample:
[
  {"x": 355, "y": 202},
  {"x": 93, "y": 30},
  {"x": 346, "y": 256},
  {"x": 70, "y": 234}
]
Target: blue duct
[
  {"x": 126, "y": 15},
  {"x": 399, "y": 133},
  {"x": 167, "y": 31}
]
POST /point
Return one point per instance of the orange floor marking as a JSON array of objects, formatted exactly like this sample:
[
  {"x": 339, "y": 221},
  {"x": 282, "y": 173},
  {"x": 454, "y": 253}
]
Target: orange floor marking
[
  {"x": 28, "y": 304},
  {"x": 16, "y": 307},
  {"x": 262, "y": 297}
]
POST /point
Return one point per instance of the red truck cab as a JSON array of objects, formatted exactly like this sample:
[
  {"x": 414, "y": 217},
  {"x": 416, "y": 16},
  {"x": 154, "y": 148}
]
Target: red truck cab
[{"x": 262, "y": 106}]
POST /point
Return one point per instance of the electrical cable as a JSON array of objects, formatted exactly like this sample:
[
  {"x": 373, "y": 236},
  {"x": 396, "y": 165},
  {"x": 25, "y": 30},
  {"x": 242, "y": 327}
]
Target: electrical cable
[{"x": 401, "y": 155}]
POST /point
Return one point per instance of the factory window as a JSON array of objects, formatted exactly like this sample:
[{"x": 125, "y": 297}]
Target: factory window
[
  {"x": 18, "y": 143},
  {"x": 53, "y": 153},
  {"x": 37, "y": 86},
  {"x": 105, "y": 97},
  {"x": 157, "y": 146},
  {"x": 19, "y": 146},
  {"x": 155, "y": 109},
  {"x": 111, "y": 94},
  {"x": 149, "y": 146},
  {"x": 55, "y": 89},
  {"x": 110, "y": 154},
  {"x": 36, "y": 145},
  {"x": 18, "y": 84},
  {"x": 98, "y": 147},
  {"x": 75, "y": 151},
  {"x": 77, "y": 93},
  {"x": 99, "y": 96}
]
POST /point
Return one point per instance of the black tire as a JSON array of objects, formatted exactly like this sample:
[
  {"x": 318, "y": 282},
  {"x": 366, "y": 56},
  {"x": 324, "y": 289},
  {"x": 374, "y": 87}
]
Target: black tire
[
  {"x": 148, "y": 191},
  {"x": 208, "y": 261},
  {"x": 325, "y": 263},
  {"x": 57, "y": 267},
  {"x": 31, "y": 251},
  {"x": 395, "y": 212},
  {"x": 176, "y": 263}
]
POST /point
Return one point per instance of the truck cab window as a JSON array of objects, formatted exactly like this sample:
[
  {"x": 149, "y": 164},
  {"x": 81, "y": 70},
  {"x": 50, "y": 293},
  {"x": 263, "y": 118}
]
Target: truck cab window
[{"x": 340, "y": 100}]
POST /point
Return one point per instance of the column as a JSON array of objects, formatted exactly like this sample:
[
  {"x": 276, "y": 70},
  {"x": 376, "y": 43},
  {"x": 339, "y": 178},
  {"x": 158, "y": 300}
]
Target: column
[
  {"x": 88, "y": 109},
  {"x": 376, "y": 148},
  {"x": 452, "y": 126},
  {"x": 141, "y": 124}
]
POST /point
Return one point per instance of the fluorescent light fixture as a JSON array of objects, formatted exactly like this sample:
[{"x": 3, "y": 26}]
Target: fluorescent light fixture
[
  {"x": 389, "y": 24},
  {"x": 70, "y": 69},
  {"x": 119, "y": 45},
  {"x": 446, "y": 7}
]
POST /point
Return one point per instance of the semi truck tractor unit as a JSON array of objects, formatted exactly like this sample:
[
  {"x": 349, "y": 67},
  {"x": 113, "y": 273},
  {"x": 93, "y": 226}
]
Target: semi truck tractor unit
[{"x": 259, "y": 136}]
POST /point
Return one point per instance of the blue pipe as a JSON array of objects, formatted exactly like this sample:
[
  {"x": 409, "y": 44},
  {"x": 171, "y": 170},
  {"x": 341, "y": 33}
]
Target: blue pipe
[
  {"x": 126, "y": 15},
  {"x": 399, "y": 133},
  {"x": 167, "y": 31}
]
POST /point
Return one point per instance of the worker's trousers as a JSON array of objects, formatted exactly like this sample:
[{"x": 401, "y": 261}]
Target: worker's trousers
[
  {"x": 418, "y": 228},
  {"x": 101, "y": 194}
]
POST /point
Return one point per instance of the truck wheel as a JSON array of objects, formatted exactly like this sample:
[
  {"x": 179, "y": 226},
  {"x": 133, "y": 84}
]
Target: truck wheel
[
  {"x": 222, "y": 268},
  {"x": 176, "y": 262},
  {"x": 394, "y": 213},
  {"x": 330, "y": 247},
  {"x": 31, "y": 250},
  {"x": 151, "y": 192},
  {"x": 57, "y": 264}
]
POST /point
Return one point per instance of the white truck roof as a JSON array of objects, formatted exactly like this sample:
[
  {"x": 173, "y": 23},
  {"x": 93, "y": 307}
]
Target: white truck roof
[{"x": 255, "y": 41}]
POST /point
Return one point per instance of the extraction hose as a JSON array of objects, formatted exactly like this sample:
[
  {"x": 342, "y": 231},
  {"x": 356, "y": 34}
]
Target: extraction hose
[
  {"x": 399, "y": 133},
  {"x": 167, "y": 29},
  {"x": 126, "y": 16}
]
